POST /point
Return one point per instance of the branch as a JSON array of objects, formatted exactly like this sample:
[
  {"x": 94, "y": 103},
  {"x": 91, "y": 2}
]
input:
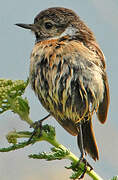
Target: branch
[{"x": 57, "y": 153}]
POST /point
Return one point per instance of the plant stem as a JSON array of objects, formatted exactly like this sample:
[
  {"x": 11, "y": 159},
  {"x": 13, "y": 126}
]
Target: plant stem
[{"x": 74, "y": 158}]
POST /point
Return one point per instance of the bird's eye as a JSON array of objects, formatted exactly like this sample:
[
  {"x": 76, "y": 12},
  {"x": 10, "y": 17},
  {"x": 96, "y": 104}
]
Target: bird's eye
[{"x": 48, "y": 25}]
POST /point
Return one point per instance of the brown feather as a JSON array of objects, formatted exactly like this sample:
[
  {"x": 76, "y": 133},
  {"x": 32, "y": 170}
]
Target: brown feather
[
  {"x": 104, "y": 105},
  {"x": 89, "y": 141}
]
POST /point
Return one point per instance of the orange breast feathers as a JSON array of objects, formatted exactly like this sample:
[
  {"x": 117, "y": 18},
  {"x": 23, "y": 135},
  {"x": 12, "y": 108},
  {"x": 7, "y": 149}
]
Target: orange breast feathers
[{"x": 72, "y": 52}]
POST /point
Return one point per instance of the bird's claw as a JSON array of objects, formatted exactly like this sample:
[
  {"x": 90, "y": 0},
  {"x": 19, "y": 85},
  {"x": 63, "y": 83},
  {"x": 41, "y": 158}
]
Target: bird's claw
[
  {"x": 85, "y": 166},
  {"x": 37, "y": 125}
]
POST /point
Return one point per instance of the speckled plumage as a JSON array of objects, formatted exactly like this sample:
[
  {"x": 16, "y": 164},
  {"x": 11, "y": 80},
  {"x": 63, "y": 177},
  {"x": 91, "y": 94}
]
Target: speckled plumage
[
  {"x": 67, "y": 73},
  {"x": 64, "y": 81}
]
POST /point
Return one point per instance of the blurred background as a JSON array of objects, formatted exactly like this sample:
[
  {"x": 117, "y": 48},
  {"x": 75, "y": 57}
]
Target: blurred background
[{"x": 15, "y": 48}]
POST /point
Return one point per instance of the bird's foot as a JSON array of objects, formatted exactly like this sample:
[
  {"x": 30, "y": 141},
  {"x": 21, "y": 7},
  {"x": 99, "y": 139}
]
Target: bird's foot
[
  {"x": 82, "y": 159},
  {"x": 86, "y": 164},
  {"x": 37, "y": 125}
]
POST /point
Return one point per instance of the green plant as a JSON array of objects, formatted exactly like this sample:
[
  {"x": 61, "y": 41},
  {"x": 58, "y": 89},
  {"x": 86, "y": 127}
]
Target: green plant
[{"x": 11, "y": 99}]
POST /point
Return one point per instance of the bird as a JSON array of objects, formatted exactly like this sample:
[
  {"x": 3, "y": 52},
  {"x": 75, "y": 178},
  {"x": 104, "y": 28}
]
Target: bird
[{"x": 68, "y": 74}]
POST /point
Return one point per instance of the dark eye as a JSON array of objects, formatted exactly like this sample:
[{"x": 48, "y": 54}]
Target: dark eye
[{"x": 48, "y": 25}]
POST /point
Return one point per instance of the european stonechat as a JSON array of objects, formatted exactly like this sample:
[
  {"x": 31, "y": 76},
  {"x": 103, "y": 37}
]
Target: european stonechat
[{"x": 68, "y": 74}]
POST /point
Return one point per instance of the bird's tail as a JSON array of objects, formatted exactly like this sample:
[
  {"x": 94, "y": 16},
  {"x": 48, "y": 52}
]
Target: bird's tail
[{"x": 89, "y": 142}]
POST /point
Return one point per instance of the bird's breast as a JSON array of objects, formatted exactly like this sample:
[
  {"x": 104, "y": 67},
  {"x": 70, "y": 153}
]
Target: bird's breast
[{"x": 62, "y": 79}]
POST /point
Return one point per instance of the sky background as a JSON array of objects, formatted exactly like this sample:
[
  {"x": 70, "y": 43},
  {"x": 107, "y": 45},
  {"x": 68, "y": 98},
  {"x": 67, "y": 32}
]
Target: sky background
[{"x": 15, "y": 48}]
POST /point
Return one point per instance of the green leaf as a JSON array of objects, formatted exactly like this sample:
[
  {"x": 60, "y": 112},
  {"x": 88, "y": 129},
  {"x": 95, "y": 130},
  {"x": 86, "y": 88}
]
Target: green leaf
[
  {"x": 9, "y": 91},
  {"x": 77, "y": 170},
  {"x": 56, "y": 154}
]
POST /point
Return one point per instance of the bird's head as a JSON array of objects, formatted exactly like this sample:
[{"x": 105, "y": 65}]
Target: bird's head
[{"x": 54, "y": 23}]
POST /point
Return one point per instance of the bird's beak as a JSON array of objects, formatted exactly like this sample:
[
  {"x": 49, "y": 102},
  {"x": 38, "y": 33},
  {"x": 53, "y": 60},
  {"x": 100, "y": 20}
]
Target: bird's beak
[{"x": 32, "y": 27}]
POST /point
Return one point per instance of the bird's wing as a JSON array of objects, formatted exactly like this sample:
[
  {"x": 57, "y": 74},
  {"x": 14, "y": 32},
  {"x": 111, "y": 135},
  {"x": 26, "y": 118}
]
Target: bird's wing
[{"x": 104, "y": 105}]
